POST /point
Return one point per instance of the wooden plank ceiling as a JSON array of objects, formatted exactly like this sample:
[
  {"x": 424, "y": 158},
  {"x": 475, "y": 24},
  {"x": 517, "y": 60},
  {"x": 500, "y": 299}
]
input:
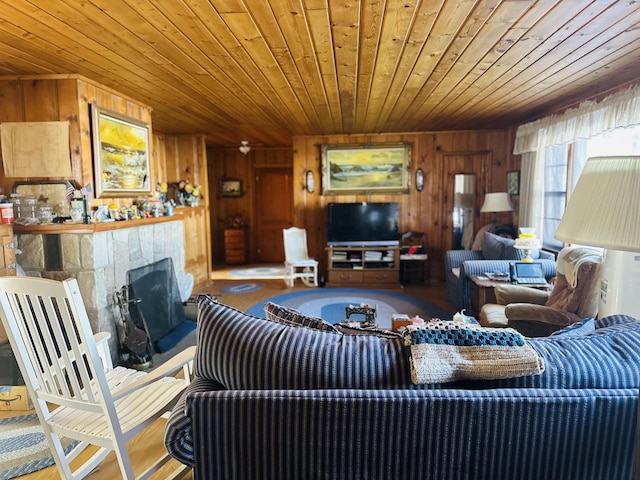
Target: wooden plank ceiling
[{"x": 264, "y": 70}]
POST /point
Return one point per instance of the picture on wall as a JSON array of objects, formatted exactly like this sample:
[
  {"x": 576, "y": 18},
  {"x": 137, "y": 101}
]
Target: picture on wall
[
  {"x": 121, "y": 151},
  {"x": 513, "y": 182},
  {"x": 366, "y": 168},
  {"x": 230, "y": 187}
]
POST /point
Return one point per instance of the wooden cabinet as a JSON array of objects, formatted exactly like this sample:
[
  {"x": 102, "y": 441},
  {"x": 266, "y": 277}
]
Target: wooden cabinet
[
  {"x": 375, "y": 267},
  {"x": 8, "y": 256},
  {"x": 196, "y": 249},
  {"x": 235, "y": 247}
]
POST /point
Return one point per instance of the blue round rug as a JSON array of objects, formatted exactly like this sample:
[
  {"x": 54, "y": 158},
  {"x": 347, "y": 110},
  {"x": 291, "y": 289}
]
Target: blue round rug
[
  {"x": 329, "y": 304},
  {"x": 242, "y": 288}
]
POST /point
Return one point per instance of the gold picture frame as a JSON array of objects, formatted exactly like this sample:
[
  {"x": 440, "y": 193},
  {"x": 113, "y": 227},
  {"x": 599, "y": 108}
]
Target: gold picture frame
[
  {"x": 121, "y": 150},
  {"x": 366, "y": 168}
]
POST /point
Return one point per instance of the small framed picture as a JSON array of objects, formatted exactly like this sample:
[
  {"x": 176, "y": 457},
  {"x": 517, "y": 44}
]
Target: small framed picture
[
  {"x": 230, "y": 187},
  {"x": 513, "y": 182}
]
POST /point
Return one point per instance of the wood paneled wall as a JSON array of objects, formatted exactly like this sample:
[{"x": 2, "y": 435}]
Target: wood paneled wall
[
  {"x": 231, "y": 163},
  {"x": 66, "y": 98},
  {"x": 427, "y": 211}
]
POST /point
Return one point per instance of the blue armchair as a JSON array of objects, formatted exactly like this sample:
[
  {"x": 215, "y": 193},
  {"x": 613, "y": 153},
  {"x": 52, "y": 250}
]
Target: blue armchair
[{"x": 495, "y": 256}]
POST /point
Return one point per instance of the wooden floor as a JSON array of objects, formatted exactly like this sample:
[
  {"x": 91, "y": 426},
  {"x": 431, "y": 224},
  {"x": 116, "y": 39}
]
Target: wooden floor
[{"x": 148, "y": 444}]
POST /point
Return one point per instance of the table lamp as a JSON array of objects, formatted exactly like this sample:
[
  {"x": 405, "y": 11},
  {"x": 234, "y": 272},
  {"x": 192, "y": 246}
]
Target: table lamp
[
  {"x": 604, "y": 211},
  {"x": 496, "y": 202},
  {"x": 527, "y": 242}
]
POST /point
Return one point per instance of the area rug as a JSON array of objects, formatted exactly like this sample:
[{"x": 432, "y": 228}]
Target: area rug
[
  {"x": 243, "y": 288},
  {"x": 329, "y": 304},
  {"x": 258, "y": 273},
  {"x": 24, "y": 447}
]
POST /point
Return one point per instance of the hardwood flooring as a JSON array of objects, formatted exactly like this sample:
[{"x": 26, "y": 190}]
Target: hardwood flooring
[{"x": 147, "y": 445}]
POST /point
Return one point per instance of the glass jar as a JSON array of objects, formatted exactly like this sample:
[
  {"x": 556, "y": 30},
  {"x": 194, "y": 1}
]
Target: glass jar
[
  {"x": 45, "y": 214},
  {"x": 16, "y": 200},
  {"x": 29, "y": 204}
]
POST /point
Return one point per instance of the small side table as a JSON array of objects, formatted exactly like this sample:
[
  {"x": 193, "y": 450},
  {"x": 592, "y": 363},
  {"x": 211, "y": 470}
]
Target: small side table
[{"x": 414, "y": 269}]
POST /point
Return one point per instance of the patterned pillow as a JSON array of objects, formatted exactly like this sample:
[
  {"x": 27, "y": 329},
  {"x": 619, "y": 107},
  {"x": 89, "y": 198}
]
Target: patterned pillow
[
  {"x": 244, "y": 352},
  {"x": 496, "y": 247},
  {"x": 290, "y": 316}
]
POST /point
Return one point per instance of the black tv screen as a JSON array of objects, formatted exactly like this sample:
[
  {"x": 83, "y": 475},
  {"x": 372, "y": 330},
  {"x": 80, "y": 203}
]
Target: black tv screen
[{"x": 362, "y": 224}]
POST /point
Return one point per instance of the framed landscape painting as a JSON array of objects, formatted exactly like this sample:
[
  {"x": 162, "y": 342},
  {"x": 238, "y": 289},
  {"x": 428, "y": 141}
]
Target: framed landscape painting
[
  {"x": 121, "y": 151},
  {"x": 366, "y": 168}
]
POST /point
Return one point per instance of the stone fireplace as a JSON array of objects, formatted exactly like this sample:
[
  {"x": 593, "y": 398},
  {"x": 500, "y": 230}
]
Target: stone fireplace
[{"x": 99, "y": 257}]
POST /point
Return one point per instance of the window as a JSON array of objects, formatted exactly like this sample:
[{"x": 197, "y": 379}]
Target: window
[{"x": 563, "y": 165}]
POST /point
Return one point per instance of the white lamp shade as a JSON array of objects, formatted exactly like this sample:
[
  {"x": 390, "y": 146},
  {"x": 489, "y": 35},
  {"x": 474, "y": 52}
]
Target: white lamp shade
[
  {"x": 604, "y": 208},
  {"x": 496, "y": 202}
]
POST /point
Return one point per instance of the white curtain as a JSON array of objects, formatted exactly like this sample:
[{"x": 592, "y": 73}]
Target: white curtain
[
  {"x": 622, "y": 109},
  {"x": 531, "y": 212}
]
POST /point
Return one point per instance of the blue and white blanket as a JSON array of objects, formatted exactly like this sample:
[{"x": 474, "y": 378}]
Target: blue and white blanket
[{"x": 444, "y": 351}]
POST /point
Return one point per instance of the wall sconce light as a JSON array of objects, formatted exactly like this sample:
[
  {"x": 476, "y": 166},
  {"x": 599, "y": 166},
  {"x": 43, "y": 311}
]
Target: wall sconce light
[
  {"x": 419, "y": 179},
  {"x": 244, "y": 147},
  {"x": 310, "y": 181}
]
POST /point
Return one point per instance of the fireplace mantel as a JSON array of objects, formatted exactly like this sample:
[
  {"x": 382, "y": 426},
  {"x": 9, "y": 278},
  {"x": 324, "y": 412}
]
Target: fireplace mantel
[{"x": 92, "y": 227}]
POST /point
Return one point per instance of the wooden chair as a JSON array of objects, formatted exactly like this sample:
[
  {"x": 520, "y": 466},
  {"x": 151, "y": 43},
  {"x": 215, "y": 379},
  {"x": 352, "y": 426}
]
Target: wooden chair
[
  {"x": 297, "y": 262},
  {"x": 69, "y": 374}
]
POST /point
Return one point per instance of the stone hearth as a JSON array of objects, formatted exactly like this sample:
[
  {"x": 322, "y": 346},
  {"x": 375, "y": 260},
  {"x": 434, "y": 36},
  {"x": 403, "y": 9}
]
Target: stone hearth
[{"x": 100, "y": 261}]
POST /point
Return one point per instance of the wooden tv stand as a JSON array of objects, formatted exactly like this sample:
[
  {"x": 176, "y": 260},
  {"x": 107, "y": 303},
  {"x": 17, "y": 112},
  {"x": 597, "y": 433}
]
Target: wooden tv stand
[{"x": 371, "y": 267}]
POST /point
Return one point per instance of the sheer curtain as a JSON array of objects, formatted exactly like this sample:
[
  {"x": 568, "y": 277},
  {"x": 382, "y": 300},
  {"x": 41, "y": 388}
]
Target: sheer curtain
[{"x": 619, "y": 110}]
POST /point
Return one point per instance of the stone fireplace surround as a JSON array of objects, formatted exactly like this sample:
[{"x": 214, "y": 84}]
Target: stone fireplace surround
[{"x": 100, "y": 259}]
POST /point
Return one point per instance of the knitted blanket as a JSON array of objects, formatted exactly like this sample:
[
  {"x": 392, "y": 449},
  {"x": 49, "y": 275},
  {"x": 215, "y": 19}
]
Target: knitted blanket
[{"x": 444, "y": 351}]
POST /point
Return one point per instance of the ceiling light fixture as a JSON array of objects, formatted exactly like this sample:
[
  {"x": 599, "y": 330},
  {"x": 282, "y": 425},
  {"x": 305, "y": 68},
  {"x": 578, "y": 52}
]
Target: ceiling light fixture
[{"x": 244, "y": 147}]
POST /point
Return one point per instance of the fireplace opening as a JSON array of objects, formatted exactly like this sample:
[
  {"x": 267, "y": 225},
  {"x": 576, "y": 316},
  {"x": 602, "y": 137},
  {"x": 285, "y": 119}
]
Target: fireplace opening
[{"x": 158, "y": 305}]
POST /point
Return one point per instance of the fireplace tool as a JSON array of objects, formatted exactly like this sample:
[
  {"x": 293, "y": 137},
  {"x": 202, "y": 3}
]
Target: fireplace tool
[{"x": 134, "y": 341}]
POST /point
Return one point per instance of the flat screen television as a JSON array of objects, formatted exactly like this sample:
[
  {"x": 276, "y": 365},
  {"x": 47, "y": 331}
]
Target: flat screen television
[{"x": 362, "y": 224}]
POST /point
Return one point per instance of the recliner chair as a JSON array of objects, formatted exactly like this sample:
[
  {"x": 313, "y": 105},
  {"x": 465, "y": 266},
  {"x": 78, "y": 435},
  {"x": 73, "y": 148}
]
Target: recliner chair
[{"x": 535, "y": 313}]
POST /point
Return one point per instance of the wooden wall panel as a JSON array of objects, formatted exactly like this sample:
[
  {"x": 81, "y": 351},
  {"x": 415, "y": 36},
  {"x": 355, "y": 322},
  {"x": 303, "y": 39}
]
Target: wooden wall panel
[
  {"x": 66, "y": 97},
  {"x": 422, "y": 211},
  {"x": 231, "y": 163}
]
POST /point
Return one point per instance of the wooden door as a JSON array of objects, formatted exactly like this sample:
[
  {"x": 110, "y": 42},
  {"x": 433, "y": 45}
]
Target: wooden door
[{"x": 274, "y": 212}]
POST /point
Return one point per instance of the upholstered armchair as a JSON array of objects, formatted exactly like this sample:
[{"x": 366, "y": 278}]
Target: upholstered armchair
[
  {"x": 496, "y": 254},
  {"x": 535, "y": 313}
]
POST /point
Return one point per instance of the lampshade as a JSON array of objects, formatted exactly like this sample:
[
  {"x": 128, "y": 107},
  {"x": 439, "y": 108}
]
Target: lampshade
[
  {"x": 496, "y": 202},
  {"x": 604, "y": 208}
]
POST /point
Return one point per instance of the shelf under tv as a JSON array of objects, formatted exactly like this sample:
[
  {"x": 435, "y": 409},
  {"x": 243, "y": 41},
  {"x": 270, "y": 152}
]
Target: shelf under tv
[{"x": 371, "y": 266}]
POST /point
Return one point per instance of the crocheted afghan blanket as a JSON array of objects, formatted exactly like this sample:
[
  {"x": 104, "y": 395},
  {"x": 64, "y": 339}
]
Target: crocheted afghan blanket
[{"x": 443, "y": 351}]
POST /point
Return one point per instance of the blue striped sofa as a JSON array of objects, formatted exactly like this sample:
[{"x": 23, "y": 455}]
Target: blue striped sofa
[{"x": 279, "y": 399}]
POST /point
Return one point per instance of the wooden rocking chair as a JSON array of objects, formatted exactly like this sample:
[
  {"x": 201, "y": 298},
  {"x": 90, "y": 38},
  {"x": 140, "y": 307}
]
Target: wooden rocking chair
[{"x": 69, "y": 374}]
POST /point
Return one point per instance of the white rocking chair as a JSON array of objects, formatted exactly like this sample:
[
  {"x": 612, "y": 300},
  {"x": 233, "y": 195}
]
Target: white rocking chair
[
  {"x": 297, "y": 262},
  {"x": 69, "y": 374}
]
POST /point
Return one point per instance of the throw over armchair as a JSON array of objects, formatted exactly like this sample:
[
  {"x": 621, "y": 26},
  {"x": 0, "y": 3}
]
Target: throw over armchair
[{"x": 536, "y": 313}]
